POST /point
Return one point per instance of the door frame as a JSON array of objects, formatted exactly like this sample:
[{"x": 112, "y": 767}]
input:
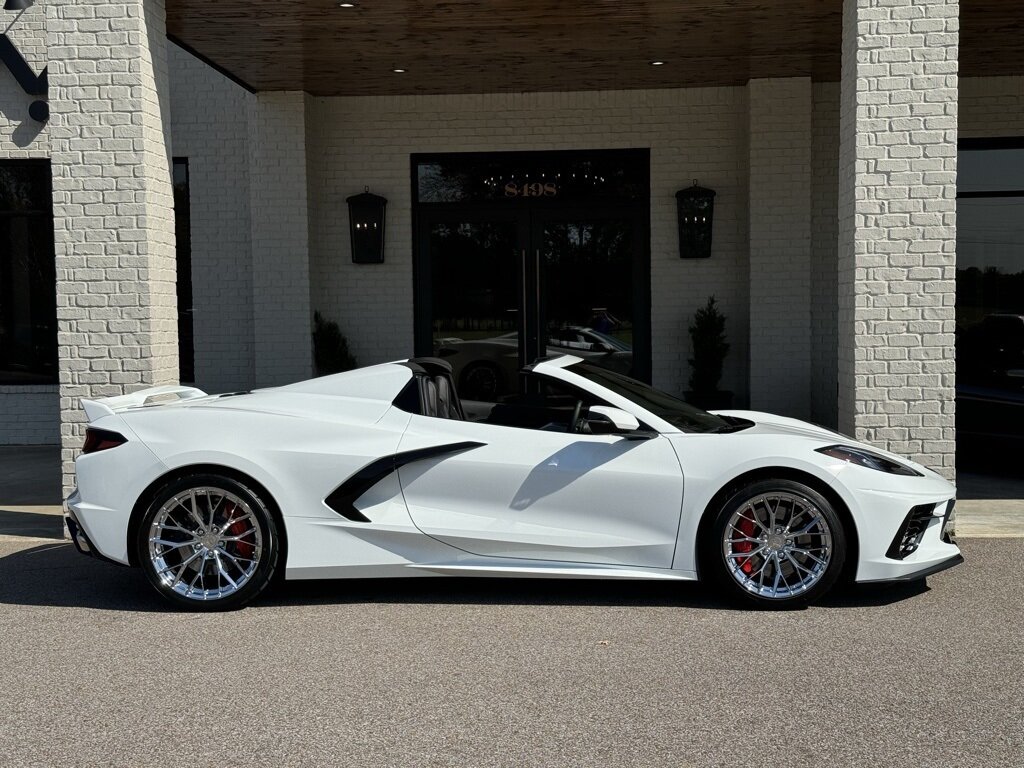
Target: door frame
[{"x": 529, "y": 213}]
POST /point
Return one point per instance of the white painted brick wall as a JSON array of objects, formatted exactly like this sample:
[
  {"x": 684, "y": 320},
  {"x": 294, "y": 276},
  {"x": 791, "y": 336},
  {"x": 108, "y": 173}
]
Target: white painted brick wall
[
  {"x": 113, "y": 209},
  {"x": 282, "y": 318},
  {"x": 210, "y": 127},
  {"x": 692, "y": 133},
  {"x": 897, "y": 226},
  {"x": 988, "y": 106},
  {"x": 780, "y": 245}
]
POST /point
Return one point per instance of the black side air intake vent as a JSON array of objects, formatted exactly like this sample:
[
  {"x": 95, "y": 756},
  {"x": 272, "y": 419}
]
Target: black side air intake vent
[
  {"x": 343, "y": 498},
  {"x": 909, "y": 536}
]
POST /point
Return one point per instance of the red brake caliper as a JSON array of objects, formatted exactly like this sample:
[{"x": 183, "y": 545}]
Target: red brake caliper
[
  {"x": 746, "y": 528},
  {"x": 242, "y": 547}
]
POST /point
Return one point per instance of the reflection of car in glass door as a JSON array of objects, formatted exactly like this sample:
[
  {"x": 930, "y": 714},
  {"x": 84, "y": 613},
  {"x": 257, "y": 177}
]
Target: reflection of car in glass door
[
  {"x": 578, "y": 287},
  {"x": 487, "y": 369}
]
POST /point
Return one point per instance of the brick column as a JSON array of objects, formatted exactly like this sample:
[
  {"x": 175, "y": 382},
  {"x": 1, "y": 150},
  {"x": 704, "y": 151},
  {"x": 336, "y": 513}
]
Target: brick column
[
  {"x": 780, "y": 245},
  {"x": 113, "y": 205},
  {"x": 897, "y": 226},
  {"x": 282, "y": 317}
]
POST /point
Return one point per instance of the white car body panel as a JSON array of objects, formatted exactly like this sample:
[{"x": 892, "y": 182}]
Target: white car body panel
[
  {"x": 540, "y": 497},
  {"x": 525, "y": 502}
]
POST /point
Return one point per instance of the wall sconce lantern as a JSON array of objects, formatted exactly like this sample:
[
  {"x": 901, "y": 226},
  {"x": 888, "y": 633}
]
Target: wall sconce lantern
[
  {"x": 696, "y": 208},
  {"x": 366, "y": 225}
]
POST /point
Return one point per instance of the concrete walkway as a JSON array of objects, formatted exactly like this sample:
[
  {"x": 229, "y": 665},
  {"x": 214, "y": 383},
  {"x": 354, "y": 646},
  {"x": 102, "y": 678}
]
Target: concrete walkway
[{"x": 30, "y": 498}]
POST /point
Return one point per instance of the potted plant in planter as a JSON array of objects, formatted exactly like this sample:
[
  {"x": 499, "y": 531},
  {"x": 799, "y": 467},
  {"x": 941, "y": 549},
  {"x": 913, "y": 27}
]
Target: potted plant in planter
[
  {"x": 707, "y": 335},
  {"x": 330, "y": 347}
]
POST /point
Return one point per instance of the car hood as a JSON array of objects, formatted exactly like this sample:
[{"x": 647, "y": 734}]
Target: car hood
[{"x": 770, "y": 424}]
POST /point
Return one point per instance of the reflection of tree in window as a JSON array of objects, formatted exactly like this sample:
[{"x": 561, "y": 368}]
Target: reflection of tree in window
[
  {"x": 474, "y": 280},
  {"x": 588, "y": 276}
]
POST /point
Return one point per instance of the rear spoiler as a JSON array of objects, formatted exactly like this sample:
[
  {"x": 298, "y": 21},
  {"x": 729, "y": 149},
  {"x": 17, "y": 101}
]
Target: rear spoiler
[{"x": 95, "y": 409}]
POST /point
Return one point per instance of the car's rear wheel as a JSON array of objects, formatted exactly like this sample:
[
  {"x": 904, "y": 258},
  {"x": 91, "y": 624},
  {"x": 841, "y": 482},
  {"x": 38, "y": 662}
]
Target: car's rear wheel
[
  {"x": 208, "y": 542},
  {"x": 777, "y": 543}
]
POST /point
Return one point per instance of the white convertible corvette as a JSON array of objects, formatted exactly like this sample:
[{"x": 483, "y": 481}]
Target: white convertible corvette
[{"x": 383, "y": 472}]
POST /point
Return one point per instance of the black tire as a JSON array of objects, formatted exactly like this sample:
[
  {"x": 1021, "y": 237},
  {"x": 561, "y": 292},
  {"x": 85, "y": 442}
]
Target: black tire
[
  {"x": 739, "y": 584},
  {"x": 254, "y": 534}
]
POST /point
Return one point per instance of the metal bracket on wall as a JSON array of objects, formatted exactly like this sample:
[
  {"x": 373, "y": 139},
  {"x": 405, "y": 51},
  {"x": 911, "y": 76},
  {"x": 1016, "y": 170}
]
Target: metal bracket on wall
[{"x": 32, "y": 84}]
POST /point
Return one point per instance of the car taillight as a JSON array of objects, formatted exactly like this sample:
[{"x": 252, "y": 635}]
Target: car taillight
[{"x": 101, "y": 439}]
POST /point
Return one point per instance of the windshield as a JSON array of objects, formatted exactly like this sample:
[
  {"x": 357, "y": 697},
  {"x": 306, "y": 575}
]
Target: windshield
[
  {"x": 611, "y": 341},
  {"x": 664, "y": 406}
]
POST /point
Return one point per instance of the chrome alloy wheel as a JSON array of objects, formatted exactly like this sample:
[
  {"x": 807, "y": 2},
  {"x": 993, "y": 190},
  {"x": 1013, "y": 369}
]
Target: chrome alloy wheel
[
  {"x": 205, "y": 543},
  {"x": 777, "y": 545}
]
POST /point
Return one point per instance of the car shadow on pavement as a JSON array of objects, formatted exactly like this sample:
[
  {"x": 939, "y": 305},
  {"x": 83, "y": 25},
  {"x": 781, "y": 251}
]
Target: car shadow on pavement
[
  {"x": 56, "y": 575},
  {"x": 556, "y": 592}
]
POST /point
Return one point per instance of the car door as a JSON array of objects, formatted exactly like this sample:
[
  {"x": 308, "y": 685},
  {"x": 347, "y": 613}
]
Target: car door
[{"x": 512, "y": 492}]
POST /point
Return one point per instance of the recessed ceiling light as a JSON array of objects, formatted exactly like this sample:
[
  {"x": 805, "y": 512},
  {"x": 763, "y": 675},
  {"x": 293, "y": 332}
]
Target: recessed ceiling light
[
  {"x": 398, "y": 70},
  {"x": 657, "y": 63},
  {"x": 346, "y": 5}
]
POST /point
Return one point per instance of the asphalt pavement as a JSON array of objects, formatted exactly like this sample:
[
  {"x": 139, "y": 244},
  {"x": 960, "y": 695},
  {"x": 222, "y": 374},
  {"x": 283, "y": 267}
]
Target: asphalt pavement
[{"x": 95, "y": 670}]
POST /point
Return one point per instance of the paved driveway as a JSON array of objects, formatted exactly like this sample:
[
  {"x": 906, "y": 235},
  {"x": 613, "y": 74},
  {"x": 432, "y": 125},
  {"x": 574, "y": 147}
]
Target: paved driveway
[{"x": 93, "y": 670}]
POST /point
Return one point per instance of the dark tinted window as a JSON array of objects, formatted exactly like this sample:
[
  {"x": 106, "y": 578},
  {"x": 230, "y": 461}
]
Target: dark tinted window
[
  {"x": 28, "y": 302},
  {"x": 183, "y": 251}
]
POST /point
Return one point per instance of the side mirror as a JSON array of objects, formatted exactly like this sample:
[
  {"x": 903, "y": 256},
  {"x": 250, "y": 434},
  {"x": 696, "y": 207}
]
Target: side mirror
[{"x": 605, "y": 420}]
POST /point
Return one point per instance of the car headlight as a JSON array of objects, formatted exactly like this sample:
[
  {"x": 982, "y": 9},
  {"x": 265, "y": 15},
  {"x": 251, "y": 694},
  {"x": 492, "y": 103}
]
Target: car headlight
[{"x": 865, "y": 458}]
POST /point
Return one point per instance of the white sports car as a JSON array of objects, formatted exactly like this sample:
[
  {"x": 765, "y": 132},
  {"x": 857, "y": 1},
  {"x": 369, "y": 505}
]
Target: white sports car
[{"x": 588, "y": 474}]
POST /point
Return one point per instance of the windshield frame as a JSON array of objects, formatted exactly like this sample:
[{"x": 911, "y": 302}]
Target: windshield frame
[{"x": 667, "y": 408}]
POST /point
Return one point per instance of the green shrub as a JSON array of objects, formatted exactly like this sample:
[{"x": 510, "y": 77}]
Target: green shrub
[
  {"x": 707, "y": 332},
  {"x": 330, "y": 347}
]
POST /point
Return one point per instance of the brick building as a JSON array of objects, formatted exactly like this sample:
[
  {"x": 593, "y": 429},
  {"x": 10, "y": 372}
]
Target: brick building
[{"x": 199, "y": 184}]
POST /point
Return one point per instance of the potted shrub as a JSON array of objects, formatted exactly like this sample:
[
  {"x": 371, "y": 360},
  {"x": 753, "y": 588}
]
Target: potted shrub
[
  {"x": 708, "y": 340},
  {"x": 330, "y": 347}
]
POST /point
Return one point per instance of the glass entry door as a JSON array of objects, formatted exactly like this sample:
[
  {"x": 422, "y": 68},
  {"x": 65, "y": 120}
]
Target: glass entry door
[{"x": 502, "y": 282}]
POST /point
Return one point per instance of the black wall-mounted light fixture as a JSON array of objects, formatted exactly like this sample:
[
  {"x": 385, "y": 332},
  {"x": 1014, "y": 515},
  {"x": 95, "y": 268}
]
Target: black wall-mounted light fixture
[
  {"x": 366, "y": 225},
  {"x": 17, "y": 5},
  {"x": 695, "y": 207}
]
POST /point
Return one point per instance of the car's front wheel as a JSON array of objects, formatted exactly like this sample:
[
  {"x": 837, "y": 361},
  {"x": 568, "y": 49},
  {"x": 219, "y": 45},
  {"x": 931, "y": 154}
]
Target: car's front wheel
[
  {"x": 208, "y": 542},
  {"x": 778, "y": 543}
]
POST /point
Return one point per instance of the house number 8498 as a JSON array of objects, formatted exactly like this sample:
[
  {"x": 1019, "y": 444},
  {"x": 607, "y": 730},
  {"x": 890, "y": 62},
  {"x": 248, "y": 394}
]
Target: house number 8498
[{"x": 531, "y": 189}]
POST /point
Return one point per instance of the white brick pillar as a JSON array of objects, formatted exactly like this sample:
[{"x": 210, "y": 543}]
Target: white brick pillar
[
  {"x": 780, "y": 245},
  {"x": 282, "y": 318},
  {"x": 897, "y": 226},
  {"x": 113, "y": 204}
]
